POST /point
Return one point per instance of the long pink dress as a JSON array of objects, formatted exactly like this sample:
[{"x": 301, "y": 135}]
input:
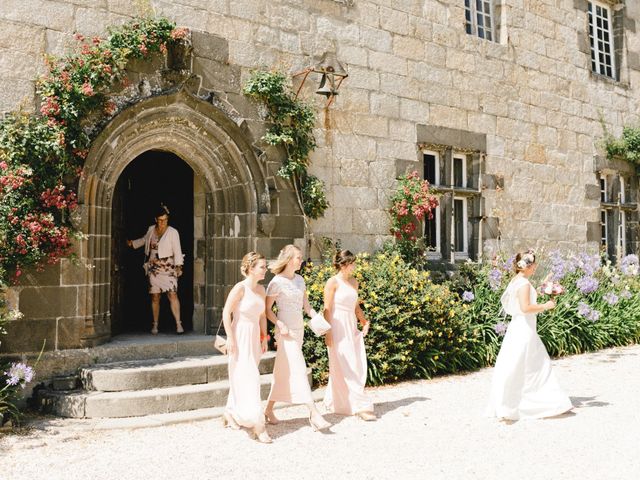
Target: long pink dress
[
  {"x": 290, "y": 382},
  {"x": 347, "y": 357},
  {"x": 244, "y": 402}
]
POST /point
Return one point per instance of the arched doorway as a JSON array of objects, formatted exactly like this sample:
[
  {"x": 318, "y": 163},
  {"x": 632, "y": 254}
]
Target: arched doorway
[{"x": 152, "y": 178}]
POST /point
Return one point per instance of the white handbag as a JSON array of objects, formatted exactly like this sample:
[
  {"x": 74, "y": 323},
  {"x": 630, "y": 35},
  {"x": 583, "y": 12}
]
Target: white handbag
[{"x": 319, "y": 325}]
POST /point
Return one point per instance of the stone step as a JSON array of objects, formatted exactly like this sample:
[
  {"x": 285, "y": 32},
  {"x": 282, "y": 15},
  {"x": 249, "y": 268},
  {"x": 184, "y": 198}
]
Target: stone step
[
  {"x": 159, "y": 373},
  {"x": 132, "y": 403}
]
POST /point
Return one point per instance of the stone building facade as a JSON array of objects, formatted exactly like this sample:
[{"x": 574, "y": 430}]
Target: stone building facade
[{"x": 500, "y": 104}]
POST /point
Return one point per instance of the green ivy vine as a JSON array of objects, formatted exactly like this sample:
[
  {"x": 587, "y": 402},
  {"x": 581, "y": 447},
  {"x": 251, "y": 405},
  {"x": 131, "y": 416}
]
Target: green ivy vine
[
  {"x": 626, "y": 147},
  {"x": 292, "y": 123}
]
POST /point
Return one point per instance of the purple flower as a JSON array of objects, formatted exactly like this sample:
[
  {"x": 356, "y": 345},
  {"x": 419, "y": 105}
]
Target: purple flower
[
  {"x": 625, "y": 293},
  {"x": 587, "y": 312},
  {"x": 19, "y": 373},
  {"x": 589, "y": 264},
  {"x": 583, "y": 309},
  {"x": 594, "y": 315},
  {"x": 560, "y": 267},
  {"x": 629, "y": 265},
  {"x": 495, "y": 279},
  {"x": 468, "y": 296},
  {"x": 611, "y": 298},
  {"x": 500, "y": 328},
  {"x": 508, "y": 264},
  {"x": 587, "y": 284}
]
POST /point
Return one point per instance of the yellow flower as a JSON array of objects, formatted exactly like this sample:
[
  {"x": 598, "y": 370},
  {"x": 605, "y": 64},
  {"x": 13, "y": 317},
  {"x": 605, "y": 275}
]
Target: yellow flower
[{"x": 436, "y": 357}]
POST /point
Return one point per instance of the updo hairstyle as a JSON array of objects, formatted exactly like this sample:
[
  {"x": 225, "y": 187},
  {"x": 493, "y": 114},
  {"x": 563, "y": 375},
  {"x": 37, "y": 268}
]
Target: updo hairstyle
[
  {"x": 249, "y": 261},
  {"x": 523, "y": 260},
  {"x": 343, "y": 258}
]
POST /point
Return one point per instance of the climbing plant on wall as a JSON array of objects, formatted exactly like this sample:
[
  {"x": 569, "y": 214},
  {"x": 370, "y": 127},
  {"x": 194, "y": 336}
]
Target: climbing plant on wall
[
  {"x": 292, "y": 123},
  {"x": 42, "y": 153},
  {"x": 627, "y": 146}
]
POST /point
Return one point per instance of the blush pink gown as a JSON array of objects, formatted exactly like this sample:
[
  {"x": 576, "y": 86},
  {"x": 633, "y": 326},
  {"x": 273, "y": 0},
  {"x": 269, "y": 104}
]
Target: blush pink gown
[
  {"x": 244, "y": 402},
  {"x": 290, "y": 382},
  {"x": 347, "y": 357}
]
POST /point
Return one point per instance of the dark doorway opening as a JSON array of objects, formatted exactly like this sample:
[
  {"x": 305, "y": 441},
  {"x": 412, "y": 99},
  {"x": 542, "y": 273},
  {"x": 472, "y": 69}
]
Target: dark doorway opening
[{"x": 152, "y": 178}]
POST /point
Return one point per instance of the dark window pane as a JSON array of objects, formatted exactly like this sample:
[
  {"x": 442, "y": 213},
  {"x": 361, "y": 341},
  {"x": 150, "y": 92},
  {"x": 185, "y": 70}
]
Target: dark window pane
[
  {"x": 458, "y": 218},
  {"x": 430, "y": 232},
  {"x": 458, "y": 174},
  {"x": 430, "y": 168}
]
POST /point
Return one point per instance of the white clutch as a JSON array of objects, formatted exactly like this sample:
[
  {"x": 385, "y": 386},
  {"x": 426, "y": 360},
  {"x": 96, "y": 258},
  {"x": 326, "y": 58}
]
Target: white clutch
[{"x": 319, "y": 325}]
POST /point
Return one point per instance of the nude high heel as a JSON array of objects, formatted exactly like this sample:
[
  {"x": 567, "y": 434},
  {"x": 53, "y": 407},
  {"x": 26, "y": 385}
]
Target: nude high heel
[
  {"x": 179, "y": 329},
  {"x": 229, "y": 421},
  {"x": 318, "y": 426},
  {"x": 154, "y": 328},
  {"x": 262, "y": 437},
  {"x": 367, "y": 416},
  {"x": 271, "y": 418}
]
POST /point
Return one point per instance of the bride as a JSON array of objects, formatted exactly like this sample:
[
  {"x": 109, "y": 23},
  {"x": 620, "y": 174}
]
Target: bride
[{"x": 524, "y": 385}]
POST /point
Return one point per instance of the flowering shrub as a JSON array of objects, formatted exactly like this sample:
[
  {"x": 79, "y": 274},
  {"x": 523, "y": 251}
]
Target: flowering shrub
[
  {"x": 16, "y": 377},
  {"x": 41, "y": 155},
  {"x": 418, "y": 328},
  {"x": 600, "y": 306},
  {"x": 411, "y": 203}
]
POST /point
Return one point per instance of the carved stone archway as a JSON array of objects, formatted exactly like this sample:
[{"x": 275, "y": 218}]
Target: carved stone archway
[{"x": 235, "y": 196}]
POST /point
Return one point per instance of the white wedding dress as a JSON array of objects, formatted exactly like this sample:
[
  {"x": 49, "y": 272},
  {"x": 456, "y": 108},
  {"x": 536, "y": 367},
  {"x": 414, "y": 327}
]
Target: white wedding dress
[{"x": 524, "y": 385}]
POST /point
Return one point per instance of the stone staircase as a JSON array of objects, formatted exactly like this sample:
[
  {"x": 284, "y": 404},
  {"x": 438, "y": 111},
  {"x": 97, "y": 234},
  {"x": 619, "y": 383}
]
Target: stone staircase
[{"x": 148, "y": 386}]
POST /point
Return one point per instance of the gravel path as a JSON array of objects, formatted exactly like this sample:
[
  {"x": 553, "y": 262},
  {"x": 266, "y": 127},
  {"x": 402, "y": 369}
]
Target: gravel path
[{"x": 427, "y": 430}]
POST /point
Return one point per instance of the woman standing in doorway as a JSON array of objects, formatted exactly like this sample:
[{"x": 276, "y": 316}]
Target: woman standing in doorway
[
  {"x": 288, "y": 291},
  {"x": 345, "y": 393},
  {"x": 163, "y": 265},
  {"x": 524, "y": 385},
  {"x": 246, "y": 327}
]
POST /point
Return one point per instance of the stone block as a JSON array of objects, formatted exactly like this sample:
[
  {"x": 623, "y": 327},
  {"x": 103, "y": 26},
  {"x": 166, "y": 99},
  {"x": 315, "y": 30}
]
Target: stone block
[
  {"x": 355, "y": 197},
  {"x": 414, "y": 110},
  {"x": 408, "y": 47},
  {"x": 18, "y": 64},
  {"x": 58, "y": 14},
  {"x": 211, "y": 47},
  {"x": 351, "y": 172},
  {"x": 352, "y": 55},
  {"x": 384, "y": 105},
  {"x": 362, "y": 78},
  {"x": 385, "y": 62},
  {"x": 26, "y": 335},
  {"x": 93, "y": 22},
  {"x": 394, "y": 21},
  {"x": 370, "y": 222},
  {"x": 24, "y": 38},
  {"x": 400, "y": 86},
  {"x": 48, "y": 302},
  {"x": 289, "y": 17},
  {"x": 183, "y": 15},
  {"x": 337, "y": 30},
  {"x": 70, "y": 333},
  {"x": 376, "y": 40},
  {"x": 371, "y": 125}
]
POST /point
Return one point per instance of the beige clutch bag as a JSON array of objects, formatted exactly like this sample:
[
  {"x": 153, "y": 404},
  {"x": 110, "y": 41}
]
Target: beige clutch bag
[{"x": 319, "y": 325}]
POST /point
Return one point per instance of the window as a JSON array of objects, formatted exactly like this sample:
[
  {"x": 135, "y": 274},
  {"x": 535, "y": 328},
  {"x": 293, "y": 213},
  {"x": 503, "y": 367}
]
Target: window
[
  {"x": 601, "y": 39},
  {"x": 603, "y": 189},
  {"x": 432, "y": 175},
  {"x": 459, "y": 171},
  {"x": 460, "y": 220},
  {"x": 478, "y": 15},
  {"x": 603, "y": 228}
]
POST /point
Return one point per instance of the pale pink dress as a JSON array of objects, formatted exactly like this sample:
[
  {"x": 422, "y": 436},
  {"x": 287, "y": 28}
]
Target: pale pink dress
[
  {"x": 244, "y": 402},
  {"x": 290, "y": 381},
  {"x": 347, "y": 357}
]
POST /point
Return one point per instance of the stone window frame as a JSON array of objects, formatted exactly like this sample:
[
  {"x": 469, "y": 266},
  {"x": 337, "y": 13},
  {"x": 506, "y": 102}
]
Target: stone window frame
[
  {"x": 444, "y": 216},
  {"x": 616, "y": 210},
  {"x": 480, "y": 227},
  {"x": 623, "y": 58},
  {"x": 605, "y": 68},
  {"x": 437, "y": 247},
  {"x": 495, "y": 17}
]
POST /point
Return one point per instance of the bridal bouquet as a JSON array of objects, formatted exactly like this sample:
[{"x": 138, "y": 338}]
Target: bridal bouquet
[{"x": 551, "y": 288}]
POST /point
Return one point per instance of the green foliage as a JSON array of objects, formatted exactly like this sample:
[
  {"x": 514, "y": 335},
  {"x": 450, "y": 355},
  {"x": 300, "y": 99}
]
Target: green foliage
[
  {"x": 626, "y": 147},
  {"x": 292, "y": 123},
  {"x": 418, "y": 328},
  {"x": 571, "y": 327},
  {"x": 41, "y": 155}
]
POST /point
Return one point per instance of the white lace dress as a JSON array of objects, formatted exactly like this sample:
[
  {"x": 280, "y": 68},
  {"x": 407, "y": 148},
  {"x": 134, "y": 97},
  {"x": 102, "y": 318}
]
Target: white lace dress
[
  {"x": 290, "y": 382},
  {"x": 524, "y": 385}
]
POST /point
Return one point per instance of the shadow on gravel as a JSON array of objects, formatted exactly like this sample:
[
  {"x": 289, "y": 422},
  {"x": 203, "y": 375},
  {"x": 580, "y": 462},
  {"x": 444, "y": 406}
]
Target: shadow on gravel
[
  {"x": 583, "y": 402},
  {"x": 285, "y": 427}
]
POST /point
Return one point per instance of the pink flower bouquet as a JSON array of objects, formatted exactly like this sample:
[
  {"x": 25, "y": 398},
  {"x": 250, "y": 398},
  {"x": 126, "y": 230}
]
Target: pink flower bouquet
[{"x": 551, "y": 288}]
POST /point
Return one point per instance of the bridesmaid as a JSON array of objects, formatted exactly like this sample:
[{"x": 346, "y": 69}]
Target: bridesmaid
[
  {"x": 290, "y": 383},
  {"x": 523, "y": 384},
  {"x": 347, "y": 357},
  {"x": 246, "y": 342}
]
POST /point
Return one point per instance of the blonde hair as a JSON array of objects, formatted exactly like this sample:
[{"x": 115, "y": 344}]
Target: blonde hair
[
  {"x": 249, "y": 261},
  {"x": 286, "y": 254}
]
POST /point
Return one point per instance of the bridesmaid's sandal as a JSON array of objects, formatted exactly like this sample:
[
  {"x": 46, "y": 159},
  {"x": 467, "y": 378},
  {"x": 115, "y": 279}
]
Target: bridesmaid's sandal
[
  {"x": 262, "y": 437},
  {"x": 271, "y": 418},
  {"x": 367, "y": 416},
  {"x": 154, "y": 328},
  {"x": 318, "y": 426},
  {"x": 229, "y": 421},
  {"x": 179, "y": 329}
]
